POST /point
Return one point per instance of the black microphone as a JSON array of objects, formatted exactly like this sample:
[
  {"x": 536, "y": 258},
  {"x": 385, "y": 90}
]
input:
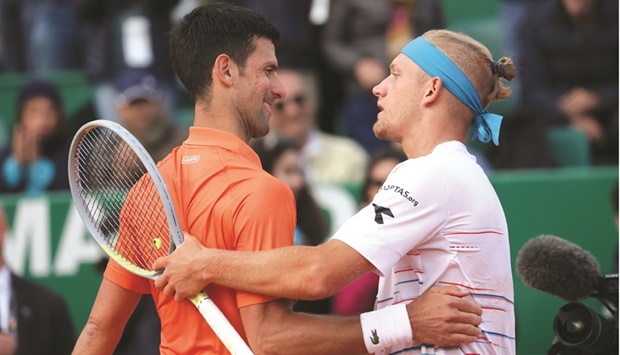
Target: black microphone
[{"x": 559, "y": 267}]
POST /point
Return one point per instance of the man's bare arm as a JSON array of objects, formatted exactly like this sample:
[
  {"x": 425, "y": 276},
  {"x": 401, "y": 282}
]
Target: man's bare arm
[
  {"x": 111, "y": 310},
  {"x": 272, "y": 328},
  {"x": 437, "y": 318},
  {"x": 298, "y": 272}
]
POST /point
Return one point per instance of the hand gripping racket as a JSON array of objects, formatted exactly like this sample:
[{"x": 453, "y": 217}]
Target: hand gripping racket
[{"x": 123, "y": 201}]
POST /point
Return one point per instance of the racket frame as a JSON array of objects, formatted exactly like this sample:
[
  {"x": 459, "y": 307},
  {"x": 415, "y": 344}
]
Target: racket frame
[{"x": 176, "y": 235}]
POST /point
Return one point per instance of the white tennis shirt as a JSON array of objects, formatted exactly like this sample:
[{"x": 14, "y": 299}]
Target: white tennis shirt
[{"x": 438, "y": 221}]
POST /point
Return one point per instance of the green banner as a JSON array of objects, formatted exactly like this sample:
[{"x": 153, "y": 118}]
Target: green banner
[{"x": 48, "y": 242}]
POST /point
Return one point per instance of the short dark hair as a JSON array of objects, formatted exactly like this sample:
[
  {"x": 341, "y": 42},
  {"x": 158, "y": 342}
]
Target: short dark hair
[
  {"x": 208, "y": 31},
  {"x": 36, "y": 88}
]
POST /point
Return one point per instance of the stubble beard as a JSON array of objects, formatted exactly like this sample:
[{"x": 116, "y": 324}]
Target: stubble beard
[
  {"x": 380, "y": 131},
  {"x": 261, "y": 125}
]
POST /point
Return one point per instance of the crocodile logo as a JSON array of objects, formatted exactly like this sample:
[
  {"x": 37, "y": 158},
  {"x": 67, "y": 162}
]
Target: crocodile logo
[{"x": 374, "y": 338}]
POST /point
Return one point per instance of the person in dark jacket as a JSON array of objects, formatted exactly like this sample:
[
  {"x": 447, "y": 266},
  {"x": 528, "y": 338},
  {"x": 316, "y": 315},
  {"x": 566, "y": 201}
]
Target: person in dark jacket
[
  {"x": 33, "y": 319},
  {"x": 569, "y": 70}
]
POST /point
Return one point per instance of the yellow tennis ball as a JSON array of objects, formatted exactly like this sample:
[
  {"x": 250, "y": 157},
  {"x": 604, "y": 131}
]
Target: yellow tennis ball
[{"x": 157, "y": 243}]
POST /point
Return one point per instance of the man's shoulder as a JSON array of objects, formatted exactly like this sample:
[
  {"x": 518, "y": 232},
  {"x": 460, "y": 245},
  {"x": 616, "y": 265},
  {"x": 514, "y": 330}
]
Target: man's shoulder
[{"x": 263, "y": 183}]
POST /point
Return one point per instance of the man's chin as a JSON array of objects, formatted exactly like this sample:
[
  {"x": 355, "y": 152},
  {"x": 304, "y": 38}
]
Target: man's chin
[
  {"x": 383, "y": 136},
  {"x": 261, "y": 132},
  {"x": 379, "y": 133}
]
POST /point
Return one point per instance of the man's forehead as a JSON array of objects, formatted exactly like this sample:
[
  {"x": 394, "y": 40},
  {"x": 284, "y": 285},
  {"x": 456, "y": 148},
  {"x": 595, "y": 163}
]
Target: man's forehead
[
  {"x": 264, "y": 49},
  {"x": 402, "y": 62}
]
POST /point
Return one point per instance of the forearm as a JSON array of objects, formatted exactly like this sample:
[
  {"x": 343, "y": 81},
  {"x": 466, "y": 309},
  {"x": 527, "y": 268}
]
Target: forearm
[
  {"x": 302, "y": 333},
  {"x": 308, "y": 273},
  {"x": 107, "y": 319},
  {"x": 284, "y": 272},
  {"x": 273, "y": 328},
  {"x": 95, "y": 340},
  {"x": 300, "y": 272}
]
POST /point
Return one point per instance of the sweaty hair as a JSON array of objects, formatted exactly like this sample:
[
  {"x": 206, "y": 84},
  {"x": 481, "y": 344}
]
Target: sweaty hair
[
  {"x": 208, "y": 31},
  {"x": 476, "y": 62}
]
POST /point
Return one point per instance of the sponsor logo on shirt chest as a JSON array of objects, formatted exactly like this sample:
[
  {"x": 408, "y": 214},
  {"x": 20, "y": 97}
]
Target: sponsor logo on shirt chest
[{"x": 402, "y": 192}]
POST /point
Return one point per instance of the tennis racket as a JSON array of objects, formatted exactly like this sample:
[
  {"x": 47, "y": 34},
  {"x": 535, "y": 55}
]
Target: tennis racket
[{"x": 123, "y": 201}]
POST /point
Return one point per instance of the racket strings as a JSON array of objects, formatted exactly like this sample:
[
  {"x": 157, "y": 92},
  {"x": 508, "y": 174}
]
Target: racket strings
[{"x": 121, "y": 198}]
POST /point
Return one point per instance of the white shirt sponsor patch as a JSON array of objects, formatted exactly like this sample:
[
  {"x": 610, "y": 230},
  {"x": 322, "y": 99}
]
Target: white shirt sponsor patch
[{"x": 191, "y": 159}]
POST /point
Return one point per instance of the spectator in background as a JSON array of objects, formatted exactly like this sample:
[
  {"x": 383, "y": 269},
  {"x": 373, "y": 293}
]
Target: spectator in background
[
  {"x": 379, "y": 167},
  {"x": 328, "y": 158},
  {"x": 40, "y": 36},
  {"x": 33, "y": 319},
  {"x": 35, "y": 159},
  {"x": 140, "y": 106},
  {"x": 123, "y": 34},
  {"x": 281, "y": 157},
  {"x": 354, "y": 41},
  {"x": 359, "y": 296},
  {"x": 569, "y": 60},
  {"x": 512, "y": 14}
]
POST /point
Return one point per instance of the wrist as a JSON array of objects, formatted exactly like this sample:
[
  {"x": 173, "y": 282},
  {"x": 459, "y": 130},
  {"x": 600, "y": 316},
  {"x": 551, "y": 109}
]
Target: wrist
[
  {"x": 386, "y": 327},
  {"x": 208, "y": 261}
]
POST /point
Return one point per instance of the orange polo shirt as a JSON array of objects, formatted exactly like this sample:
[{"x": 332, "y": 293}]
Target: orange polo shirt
[{"x": 223, "y": 197}]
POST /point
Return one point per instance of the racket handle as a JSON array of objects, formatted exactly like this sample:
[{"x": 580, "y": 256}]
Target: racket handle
[{"x": 220, "y": 325}]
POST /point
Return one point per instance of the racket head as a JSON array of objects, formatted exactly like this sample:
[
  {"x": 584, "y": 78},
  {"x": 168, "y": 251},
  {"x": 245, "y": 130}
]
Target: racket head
[{"x": 121, "y": 197}]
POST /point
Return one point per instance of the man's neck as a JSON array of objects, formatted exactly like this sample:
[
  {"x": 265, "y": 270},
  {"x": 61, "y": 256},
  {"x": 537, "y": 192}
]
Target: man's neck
[
  {"x": 422, "y": 140},
  {"x": 219, "y": 118}
]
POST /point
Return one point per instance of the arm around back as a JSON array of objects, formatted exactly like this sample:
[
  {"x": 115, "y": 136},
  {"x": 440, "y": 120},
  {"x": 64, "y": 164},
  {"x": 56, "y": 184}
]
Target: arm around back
[
  {"x": 273, "y": 328},
  {"x": 298, "y": 272},
  {"x": 113, "y": 307}
]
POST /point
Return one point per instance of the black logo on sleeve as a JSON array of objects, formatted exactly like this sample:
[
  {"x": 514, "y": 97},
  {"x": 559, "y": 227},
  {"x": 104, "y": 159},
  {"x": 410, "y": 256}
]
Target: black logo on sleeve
[
  {"x": 375, "y": 337},
  {"x": 380, "y": 211}
]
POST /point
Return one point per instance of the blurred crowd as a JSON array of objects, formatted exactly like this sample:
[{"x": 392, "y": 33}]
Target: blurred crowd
[{"x": 331, "y": 54}]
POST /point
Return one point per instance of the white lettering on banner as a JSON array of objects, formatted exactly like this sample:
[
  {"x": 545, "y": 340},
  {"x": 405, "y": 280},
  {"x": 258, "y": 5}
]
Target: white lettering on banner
[
  {"x": 30, "y": 238},
  {"x": 30, "y": 241},
  {"x": 76, "y": 247}
]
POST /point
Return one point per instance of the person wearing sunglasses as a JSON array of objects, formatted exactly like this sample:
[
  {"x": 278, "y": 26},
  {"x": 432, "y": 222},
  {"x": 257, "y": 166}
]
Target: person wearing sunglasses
[{"x": 329, "y": 159}]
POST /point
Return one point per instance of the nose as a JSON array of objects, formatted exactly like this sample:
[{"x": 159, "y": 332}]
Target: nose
[{"x": 378, "y": 90}]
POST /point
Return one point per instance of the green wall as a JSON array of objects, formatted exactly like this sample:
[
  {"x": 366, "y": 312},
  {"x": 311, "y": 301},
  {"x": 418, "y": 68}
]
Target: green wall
[
  {"x": 49, "y": 243},
  {"x": 571, "y": 204}
]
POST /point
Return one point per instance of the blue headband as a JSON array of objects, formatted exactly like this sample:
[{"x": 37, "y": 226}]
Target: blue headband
[{"x": 436, "y": 64}]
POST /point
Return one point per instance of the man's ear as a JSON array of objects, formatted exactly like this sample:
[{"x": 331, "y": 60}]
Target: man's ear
[
  {"x": 225, "y": 70},
  {"x": 432, "y": 90}
]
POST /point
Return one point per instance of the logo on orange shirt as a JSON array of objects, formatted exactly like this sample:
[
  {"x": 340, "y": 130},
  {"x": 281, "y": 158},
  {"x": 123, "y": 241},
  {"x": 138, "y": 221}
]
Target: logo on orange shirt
[{"x": 191, "y": 159}]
